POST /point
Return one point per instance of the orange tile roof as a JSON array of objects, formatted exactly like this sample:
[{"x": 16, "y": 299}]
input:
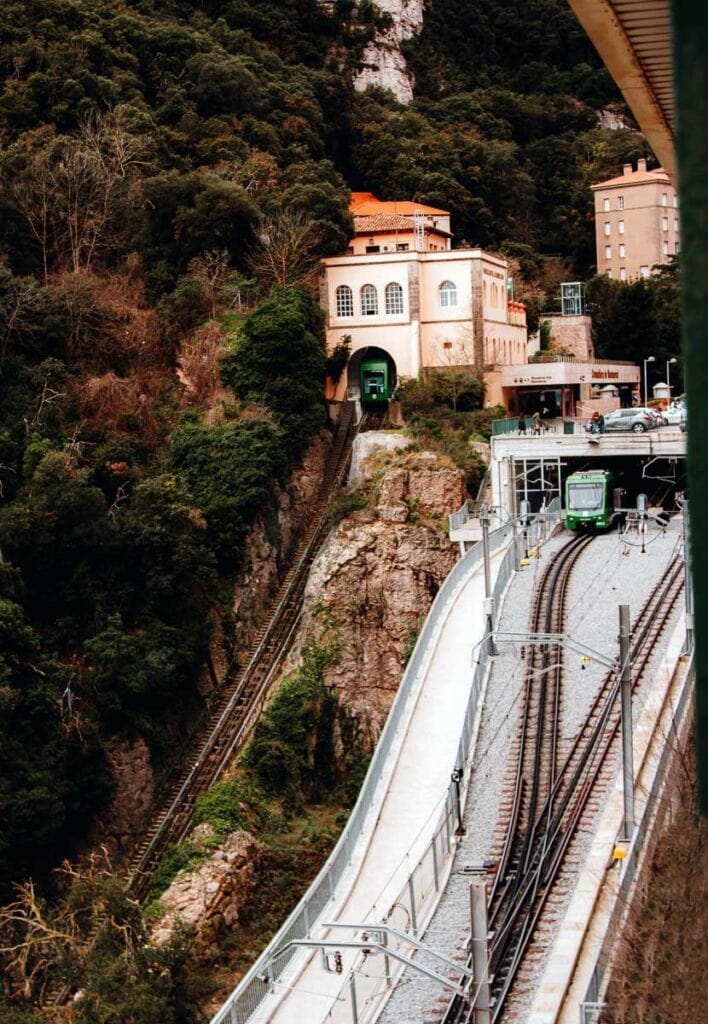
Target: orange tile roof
[
  {"x": 635, "y": 178},
  {"x": 390, "y": 222},
  {"x": 365, "y": 204}
]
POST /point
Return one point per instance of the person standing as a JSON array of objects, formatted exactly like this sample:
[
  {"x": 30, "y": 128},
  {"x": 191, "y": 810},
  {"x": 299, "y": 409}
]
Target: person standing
[
  {"x": 536, "y": 420},
  {"x": 522, "y": 424}
]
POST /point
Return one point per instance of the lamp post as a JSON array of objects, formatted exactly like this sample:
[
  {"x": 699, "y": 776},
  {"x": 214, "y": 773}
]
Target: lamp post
[
  {"x": 649, "y": 359},
  {"x": 669, "y": 362}
]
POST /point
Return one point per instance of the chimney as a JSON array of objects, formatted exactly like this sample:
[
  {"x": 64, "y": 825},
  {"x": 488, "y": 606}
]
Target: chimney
[
  {"x": 627, "y": 169},
  {"x": 641, "y": 164}
]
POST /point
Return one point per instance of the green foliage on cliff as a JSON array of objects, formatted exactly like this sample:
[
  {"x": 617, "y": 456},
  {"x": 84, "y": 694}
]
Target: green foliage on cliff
[{"x": 146, "y": 147}]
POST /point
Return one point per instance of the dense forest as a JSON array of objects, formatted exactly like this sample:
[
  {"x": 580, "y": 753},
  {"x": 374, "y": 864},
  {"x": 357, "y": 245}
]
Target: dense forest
[{"x": 170, "y": 171}]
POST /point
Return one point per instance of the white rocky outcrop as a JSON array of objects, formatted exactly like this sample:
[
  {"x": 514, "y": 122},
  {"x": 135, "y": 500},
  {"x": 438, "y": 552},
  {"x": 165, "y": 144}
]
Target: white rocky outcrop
[
  {"x": 209, "y": 899},
  {"x": 384, "y": 64}
]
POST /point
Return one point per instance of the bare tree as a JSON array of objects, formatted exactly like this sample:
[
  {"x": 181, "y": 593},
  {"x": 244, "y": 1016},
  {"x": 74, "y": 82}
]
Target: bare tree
[
  {"x": 287, "y": 248},
  {"x": 212, "y": 270},
  {"x": 457, "y": 376},
  {"x": 199, "y": 360},
  {"x": 75, "y": 192}
]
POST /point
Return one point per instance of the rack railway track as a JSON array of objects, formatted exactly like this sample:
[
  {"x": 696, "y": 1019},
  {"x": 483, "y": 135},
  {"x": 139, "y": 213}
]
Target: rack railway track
[
  {"x": 546, "y": 815},
  {"x": 234, "y": 716}
]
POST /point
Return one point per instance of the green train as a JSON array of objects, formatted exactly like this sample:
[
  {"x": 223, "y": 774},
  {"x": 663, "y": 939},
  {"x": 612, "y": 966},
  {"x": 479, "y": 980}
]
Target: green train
[
  {"x": 375, "y": 381},
  {"x": 589, "y": 500}
]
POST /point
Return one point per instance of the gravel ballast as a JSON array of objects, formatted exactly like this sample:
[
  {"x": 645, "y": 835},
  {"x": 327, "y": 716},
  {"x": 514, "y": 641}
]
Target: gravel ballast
[{"x": 609, "y": 572}]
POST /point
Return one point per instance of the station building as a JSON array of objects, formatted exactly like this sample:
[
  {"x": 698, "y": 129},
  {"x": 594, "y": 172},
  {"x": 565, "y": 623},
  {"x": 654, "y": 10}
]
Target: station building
[
  {"x": 636, "y": 222},
  {"x": 401, "y": 291}
]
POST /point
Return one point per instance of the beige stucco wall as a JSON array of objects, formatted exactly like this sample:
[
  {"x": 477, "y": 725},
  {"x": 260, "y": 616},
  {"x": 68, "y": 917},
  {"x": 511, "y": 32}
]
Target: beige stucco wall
[
  {"x": 571, "y": 334},
  {"x": 650, "y": 227},
  {"x": 388, "y": 242},
  {"x": 427, "y": 334}
]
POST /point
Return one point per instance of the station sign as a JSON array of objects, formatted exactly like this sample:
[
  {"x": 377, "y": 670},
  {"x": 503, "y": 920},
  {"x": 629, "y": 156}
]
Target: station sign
[{"x": 558, "y": 374}]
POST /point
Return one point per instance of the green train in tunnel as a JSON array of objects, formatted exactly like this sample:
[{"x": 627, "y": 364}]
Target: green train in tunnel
[
  {"x": 589, "y": 500},
  {"x": 375, "y": 382}
]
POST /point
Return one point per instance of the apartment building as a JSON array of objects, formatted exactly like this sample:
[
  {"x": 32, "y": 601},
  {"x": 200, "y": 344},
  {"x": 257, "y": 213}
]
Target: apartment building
[{"x": 636, "y": 222}]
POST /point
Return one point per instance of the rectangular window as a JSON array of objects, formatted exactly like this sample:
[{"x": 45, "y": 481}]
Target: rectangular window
[
  {"x": 373, "y": 248},
  {"x": 620, "y": 227},
  {"x": 644, "y": 271},
  {"x": 606, "y": 205},
  {"x": 677, "y": 248},
  {"x": 664, "y": 223},
  {"x": 620, "y": 202},
  {"x": 676, "y": 224},
  {"x": 675, "y": 202},
  {"x": 664, "y": 199},
  {"x": 607, "y": 227},
  {"x": 666, "y": 248},
  {"x": 623, "y": 273},
  {"x": 623, "y": 250},
  {"x": 609, "y": 274},
  {"x": 608, "y": 252},
  {"x": 402, "y": 246}
]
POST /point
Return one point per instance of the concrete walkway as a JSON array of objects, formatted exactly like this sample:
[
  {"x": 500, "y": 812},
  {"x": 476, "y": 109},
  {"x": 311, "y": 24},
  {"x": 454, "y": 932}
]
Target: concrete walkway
[{"x": 414, "y": 787}]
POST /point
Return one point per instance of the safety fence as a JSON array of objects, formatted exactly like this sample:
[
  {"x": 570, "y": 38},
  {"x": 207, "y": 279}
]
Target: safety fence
[
  {"x": 592, "y": 1006},
  {"x": 417, "y": 895}
]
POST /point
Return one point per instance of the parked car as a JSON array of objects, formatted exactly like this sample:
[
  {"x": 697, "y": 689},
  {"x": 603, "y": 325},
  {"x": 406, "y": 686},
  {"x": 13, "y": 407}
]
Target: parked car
[
  {"x": 675, "y": 413},
  {"x": 637, "y": 420}
]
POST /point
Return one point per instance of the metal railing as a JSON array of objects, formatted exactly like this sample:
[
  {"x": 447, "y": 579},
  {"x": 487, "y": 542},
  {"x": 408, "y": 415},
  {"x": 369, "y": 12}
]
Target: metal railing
[
  {"x": 259, "y": 980},
  {"x": 593, "y": 1004}
]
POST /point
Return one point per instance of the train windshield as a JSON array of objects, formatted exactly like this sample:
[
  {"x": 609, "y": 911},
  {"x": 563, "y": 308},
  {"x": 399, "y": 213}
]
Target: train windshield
[
  {"x": 585, "y": 497},
  {"x": 374, "y": 382}
]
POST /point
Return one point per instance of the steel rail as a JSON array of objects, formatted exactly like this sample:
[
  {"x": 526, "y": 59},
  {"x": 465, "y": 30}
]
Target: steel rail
[
  {"x": 566, "y": 801},
  {"x": 234, "y": 715},
  {"x": 562, "y": 827}
]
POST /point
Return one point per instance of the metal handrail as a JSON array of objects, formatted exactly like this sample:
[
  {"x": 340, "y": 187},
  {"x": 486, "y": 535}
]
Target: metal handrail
[{"x": 257, "y": 982}]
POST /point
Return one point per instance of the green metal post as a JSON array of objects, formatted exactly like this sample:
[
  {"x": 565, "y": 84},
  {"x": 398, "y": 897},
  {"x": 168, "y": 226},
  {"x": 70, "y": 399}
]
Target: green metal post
[{"x": 690, "y": 44}]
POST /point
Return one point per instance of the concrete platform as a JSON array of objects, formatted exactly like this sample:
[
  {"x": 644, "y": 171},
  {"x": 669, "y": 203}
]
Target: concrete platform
[{"x": 414, "y": 788}]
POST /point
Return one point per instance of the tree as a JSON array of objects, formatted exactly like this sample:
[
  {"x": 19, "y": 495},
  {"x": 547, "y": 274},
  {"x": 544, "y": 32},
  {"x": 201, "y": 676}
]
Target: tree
[
  {"x": 95, "y": 940},
  {"x": 286, "y": 252},
  {"x": 211, "y": 269},
  {"x": 279, "y": 360}
]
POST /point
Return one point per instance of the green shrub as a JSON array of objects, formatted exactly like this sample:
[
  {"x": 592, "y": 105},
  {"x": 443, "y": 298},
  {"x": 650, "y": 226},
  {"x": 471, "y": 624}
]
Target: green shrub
[
  {"x": 279, "y": 360},
  {"x": 177, "y": 858}
]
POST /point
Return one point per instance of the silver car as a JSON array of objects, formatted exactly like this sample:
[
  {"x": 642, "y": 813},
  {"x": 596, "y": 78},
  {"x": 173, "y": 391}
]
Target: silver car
[{"x": 637, "y": 420}]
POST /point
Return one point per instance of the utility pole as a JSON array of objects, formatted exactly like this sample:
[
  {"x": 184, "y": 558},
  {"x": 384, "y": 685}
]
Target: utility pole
[
  {"x": 626, "y": 699},
  {"x": 488, "y": 608},
  {"x": 480, "y": 953}
]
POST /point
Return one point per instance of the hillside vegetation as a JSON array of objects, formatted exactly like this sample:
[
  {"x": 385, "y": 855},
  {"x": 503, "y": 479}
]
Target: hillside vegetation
[{"x": 169, "y": 174}]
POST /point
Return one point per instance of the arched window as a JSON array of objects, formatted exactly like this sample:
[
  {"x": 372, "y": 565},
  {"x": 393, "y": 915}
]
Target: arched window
[
  {"x": 369, "y": 301},
  {"x": 345, "y": 301},
  {"x": 448, "y": 294},
  {"x": 495, "y": 295},
  {"x": 394, "y": 298}
]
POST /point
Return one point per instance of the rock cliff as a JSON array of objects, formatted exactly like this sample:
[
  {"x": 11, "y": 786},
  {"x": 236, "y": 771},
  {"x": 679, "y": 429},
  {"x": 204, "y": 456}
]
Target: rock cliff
[
  {"x": 208, "y": 900},
  {"x": 384, "y": 64},
  {"x": 378, "y": 573}
]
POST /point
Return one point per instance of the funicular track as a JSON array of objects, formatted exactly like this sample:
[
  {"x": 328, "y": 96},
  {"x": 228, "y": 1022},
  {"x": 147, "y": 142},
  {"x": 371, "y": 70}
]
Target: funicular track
[
  {"x": 534, "y": 854},
  {"x": 241, "y": 701}
]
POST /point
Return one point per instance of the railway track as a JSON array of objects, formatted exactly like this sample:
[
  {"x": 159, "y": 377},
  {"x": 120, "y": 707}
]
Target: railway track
[
  {"x": 232, "y": 719},
  {"x": 546, "y": 814}
]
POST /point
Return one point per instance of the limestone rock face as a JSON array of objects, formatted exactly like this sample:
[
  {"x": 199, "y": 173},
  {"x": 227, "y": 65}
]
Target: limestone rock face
[
  {"x": 378, "y": 574},
  {"x": 132, "y": 772},
  {"x": 385, "y": 65},
  {"x": 209, "y": 899}
]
